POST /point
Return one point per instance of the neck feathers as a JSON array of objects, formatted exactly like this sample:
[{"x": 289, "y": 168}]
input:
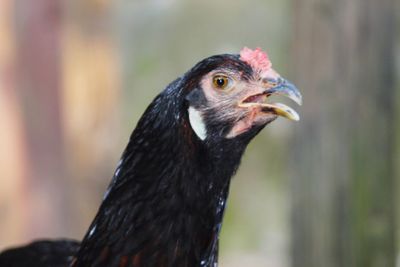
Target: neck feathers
[{"x": 165, "y": 204}]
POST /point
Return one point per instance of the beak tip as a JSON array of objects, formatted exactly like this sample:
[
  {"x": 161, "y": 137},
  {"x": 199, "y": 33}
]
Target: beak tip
[
  {"x": 300, "y": 100},
  {"x": 296, "y": 118}
]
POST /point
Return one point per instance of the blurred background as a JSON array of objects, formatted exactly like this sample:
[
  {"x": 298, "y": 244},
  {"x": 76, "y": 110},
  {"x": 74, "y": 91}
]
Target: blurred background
[{"x": 75, "y": 76}]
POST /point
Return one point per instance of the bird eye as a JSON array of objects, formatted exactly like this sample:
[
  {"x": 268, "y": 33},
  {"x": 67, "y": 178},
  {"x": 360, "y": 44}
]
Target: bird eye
[{"x": 220, "y": 82}]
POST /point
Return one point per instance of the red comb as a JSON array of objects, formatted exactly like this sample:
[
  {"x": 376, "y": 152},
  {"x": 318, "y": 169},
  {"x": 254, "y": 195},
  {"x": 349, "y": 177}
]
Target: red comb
[{"x": 257, "y": 59}]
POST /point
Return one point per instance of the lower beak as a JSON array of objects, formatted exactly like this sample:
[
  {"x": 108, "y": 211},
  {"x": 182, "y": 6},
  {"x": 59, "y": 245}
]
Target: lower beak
[{"x": 283, "y": 88}]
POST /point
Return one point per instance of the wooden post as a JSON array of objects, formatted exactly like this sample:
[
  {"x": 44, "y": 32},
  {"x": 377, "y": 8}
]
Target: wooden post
[
  {"x": 38, "y": 86},
  {"x": 13, "y": 153},
  {"x": 343, "y": 177}
]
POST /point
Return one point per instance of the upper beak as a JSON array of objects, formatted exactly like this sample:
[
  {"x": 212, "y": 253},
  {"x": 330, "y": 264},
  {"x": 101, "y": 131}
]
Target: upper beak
[
  {"x": 287, "y": 89},
  {"x": 282, "y": 87}
]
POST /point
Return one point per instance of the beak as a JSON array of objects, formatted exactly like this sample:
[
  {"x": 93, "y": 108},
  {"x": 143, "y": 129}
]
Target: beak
[{"x": 283, "y": 88}]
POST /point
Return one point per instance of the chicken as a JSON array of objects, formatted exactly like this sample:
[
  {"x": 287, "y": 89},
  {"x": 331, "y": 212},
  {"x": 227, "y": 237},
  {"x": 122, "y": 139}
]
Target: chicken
[{"x": 165, "y": 204}]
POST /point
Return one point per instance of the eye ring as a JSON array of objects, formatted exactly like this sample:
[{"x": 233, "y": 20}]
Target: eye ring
[{"x": 221, "y": 82}]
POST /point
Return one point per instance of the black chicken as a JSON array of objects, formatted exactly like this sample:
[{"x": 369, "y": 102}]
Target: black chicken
[{"x": 165, "y": 204}]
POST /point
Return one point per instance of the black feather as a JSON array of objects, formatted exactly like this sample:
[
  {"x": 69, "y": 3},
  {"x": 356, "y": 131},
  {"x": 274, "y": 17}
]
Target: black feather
[{"x": 42, "y": 253}]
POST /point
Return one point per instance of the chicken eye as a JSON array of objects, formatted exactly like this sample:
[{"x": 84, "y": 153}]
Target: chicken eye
[{"x": 220, "y": 82}]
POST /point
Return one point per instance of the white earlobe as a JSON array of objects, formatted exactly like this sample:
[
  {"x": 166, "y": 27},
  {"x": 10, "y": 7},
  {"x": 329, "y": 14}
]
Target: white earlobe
[{"x": 197, "y": 123}]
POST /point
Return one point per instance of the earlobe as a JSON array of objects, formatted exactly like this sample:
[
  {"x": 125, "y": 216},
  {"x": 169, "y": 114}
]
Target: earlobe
[{"x": 197, "y": 123}]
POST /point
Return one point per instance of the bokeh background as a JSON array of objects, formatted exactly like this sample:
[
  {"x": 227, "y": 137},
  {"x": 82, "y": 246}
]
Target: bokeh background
[{"x": 75, "y": 77}]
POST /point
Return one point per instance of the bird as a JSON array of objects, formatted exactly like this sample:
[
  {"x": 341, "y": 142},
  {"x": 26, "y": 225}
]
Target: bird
[{"x": 165, "y": 204}]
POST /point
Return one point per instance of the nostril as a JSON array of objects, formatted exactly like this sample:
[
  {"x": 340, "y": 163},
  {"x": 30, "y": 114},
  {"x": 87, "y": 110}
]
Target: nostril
[{"x": 269, "y": 83}]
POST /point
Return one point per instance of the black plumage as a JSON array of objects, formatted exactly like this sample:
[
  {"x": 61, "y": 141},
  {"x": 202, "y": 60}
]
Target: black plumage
[
  {"x": 165, "y": 204},
  {"x": 43, "y": 253}
]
